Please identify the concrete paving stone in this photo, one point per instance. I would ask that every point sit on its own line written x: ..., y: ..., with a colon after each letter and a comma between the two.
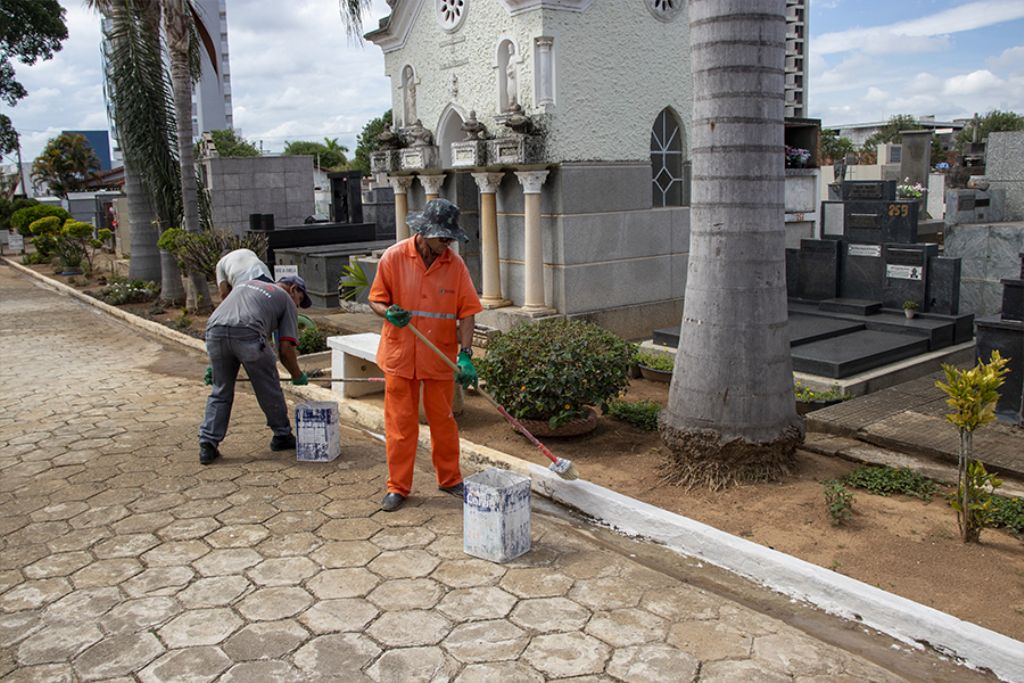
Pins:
x: 655, y: 663
x: 175, y: 553
x: 45, y: 673
x: 567, y: 654
x: 58, y: 564
x: 732, y: 670
x: 348, y: 507
x: 412, y: 665
x: 37, y: 532
x: 403, y: 564
x: 625, y: 627
x: 680, y: 602
x: 217, y: 591
x: 795, y: 653
x: 407, y: 594
x: 59, y: 511
x: 467, y: 573
x: 159, y: 502
x: 34, y: 594
x: 300, y: 501
x: 587, y: 564
x: 476, y: 604
x: 169, y: 483
x: 606, y: 593
x: 448, y: 548
x: 747, y: 620
x: 18, y: 626
x: 127, y: 545
x: 274, y: 479
x: 271, y: 604
x: 118, y: 656
x: 10, y: 524
x: 499, y: 671
x: 542, y: 554
x: 295, y: 521
x: 298, y: 544
x: 114, y: 497
x: 265, y: 640
x: 188, y: 529
x: 399, y: 538
x: 9, y: 579
x: 284, y: 571
x: 194, y: 665
x: 139, y: 614
x: 261, y: 672
x: 145, y: 523
x: 340, y: 554
x: 406, y: 516
x: 82, y: 606
x: 212, y: 489
x: 335, y: 616
x: 52, y: 644
x: 411, y: 628
x: 237, y: 536
x: 536, y: 583
x: 340, y: 652
x: 547, y: 615
x: 227, y: 561
x: 856, y: 669
x: 305, y: 484
x: 158, y: 581
x: 199, y: 627
x: 107, y: 572
x: 342, y: 583
x: 486, y: 641
x: 710, y: 640
x: 220, y: 473
x: 208, y: 507
x: 356, y: 529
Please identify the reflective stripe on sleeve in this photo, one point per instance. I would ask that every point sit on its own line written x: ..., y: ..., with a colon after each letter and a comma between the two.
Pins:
x: 428, y: 314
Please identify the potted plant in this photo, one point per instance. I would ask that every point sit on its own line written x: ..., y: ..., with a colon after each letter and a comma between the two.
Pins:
x: 797, y: 157
x: 909, y: 308
x: 655, y: 367
x: 808, y: 399
x: 549, y: 374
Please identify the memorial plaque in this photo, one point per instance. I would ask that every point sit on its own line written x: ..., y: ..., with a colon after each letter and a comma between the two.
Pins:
x: 384, y: 161
x: 881, y: 190
x: 832, y: 220
x: 469, y: 153
x: 860, y: 272
x: 905, y: 276
x: 943, y: 285
x: 516, y: 149
x: 417, y: 158
x: 818, y: 262
x: 880, y: 222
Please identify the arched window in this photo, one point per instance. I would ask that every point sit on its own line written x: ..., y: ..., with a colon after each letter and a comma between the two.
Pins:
x: 670, y: 180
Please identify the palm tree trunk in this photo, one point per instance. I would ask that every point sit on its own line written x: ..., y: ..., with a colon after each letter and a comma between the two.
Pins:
x: 731, y: 414
x: 172, y: 292
x: 144, y: 263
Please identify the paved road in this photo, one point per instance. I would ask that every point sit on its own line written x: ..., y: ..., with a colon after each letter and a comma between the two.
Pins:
x: 123, y: 559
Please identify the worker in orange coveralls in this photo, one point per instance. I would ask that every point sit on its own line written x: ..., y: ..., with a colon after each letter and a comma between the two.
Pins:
x: 420, y: 279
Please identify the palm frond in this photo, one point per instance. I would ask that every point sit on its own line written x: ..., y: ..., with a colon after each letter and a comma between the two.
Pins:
x: 352, y: 16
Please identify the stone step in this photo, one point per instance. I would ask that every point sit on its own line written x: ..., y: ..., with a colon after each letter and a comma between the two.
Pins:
x: 856, y: 352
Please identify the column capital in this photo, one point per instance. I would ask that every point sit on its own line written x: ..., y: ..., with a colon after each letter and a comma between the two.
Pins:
x: 532, y: 180
x: 488, y: 182
x: 432, y: 183
x: 544, y: 42
x: 400, y: 183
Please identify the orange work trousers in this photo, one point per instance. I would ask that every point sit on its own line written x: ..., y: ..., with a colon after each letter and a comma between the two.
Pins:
x: 402, y: 427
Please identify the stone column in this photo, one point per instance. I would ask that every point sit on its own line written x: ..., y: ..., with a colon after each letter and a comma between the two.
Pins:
x: 432, y: 185
x: 534, y: 249
x: 401, y: 184
x: 545, y: 71
x: 488, y: 184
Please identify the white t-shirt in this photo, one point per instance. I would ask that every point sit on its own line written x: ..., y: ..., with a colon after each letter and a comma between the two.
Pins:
x: 241, y: 265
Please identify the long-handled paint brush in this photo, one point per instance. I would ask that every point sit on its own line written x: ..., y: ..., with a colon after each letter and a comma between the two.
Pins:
x: 560, y: 466
x: 325, y: 379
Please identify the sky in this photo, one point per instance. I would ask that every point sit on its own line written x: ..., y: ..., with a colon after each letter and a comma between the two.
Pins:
x: 295, y: 75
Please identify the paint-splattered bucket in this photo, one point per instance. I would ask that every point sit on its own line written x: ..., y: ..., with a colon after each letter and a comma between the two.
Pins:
x: 496, y: 515
x: 318, y: 434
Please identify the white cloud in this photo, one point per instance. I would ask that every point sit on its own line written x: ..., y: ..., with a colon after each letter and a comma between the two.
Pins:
x: 974, y: 83
x: 923, y: 83
x: 875, y: 95
x: 1011, y: 59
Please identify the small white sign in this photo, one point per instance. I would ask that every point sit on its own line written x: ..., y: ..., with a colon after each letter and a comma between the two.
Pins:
x: 903, y: 272
x: 15, y: 242
x: 864, y: 250
x: 281, y: 271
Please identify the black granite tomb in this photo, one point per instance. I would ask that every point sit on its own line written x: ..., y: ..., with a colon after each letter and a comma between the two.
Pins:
x: 861, y: 271
x: 855, y: 352
x: 346, y: 196
x: 942, y: 285
x: 878, y: 222
x: 905, y: 277
x: 315, y: 235
x: 818, y: 262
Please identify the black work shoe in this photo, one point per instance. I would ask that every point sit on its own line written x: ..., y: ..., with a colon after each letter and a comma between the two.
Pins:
x: 454, y: 490
x: 207, y: 453
x: 284, y: 442
x: 392, y: 501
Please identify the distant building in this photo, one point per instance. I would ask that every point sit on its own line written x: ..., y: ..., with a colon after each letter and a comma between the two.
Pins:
x: 797, y: 32
x: 859, y: 132
x: 99, y: 140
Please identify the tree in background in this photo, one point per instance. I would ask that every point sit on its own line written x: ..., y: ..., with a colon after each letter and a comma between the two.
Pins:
x: 890, y: 132
x: 231, y: 144
x: 329, y: 155
x: 29, y: 30
x: 993, y: 122
x: 366, y: 142
x: 65, y: 164
x: 833, y: 147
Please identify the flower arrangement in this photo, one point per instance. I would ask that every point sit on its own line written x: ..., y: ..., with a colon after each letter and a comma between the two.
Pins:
x: 907, y: 191
x: 797, y: 157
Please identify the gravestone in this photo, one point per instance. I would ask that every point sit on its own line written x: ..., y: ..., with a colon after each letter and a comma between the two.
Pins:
x: 943, y: 285
x: 879, y: 222
x: 916, y: 158
x: 878, y: 190
x: 346, y: 196
x: 861, y: 271
x: 817, y: 264
x: 905, y: 277
x: 1005, y: 333
x: 832, y: 219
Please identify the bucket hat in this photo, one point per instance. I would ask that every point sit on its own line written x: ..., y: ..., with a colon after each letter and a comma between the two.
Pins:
x: 439, y: 218
x: 301, y: 284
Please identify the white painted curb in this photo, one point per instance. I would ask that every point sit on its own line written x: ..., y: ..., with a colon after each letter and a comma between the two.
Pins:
x: 907, y: 621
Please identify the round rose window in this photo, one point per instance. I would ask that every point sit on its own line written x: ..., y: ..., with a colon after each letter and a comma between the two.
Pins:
x: 450, y: 13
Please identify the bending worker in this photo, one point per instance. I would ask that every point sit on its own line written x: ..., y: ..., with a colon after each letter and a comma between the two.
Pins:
x: 419, y: 279
x: 238, y: 266
x: 236, y: 335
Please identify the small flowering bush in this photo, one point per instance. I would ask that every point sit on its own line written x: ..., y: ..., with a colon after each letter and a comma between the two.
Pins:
x: 121, y: 291
x: 797, y: 156
x: 553, y: 370
x: 907, y: 191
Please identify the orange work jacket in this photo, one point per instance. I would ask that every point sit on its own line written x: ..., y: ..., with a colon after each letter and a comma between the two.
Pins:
x: 438, y: 298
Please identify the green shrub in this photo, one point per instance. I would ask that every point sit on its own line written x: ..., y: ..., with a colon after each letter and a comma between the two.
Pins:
x: 554, y: 369
x: 1008, y: 513
x: 198, y: 252
x: 805, y: 394
x: 353, y: 281
x: 121, y: 291
x: 312, y: 340
x: 884, y: 481
x: 642, y: 414
x: 838, y: 500
x: 22, y: 218
x: 980, y: 486
x: 655, y: 361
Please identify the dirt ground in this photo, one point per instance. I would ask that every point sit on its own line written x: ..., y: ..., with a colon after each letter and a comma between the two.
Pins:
x: 900, y: 544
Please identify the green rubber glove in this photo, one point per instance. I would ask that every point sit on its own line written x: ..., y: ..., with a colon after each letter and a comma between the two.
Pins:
x: 208, y: 377
x: 398, y: 316
x: 301, y: 381
x: 466, y: 376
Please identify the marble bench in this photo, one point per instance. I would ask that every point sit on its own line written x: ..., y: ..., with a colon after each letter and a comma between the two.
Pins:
x: 354, y: 356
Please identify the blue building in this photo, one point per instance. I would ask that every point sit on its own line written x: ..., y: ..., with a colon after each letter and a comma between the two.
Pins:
x: 99, y: 140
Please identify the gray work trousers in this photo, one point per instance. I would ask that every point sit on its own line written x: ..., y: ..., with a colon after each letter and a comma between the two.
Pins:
x: 229, y: 348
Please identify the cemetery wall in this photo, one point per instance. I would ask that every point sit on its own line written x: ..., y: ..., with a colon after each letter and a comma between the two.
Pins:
x: 989, y: 253
x: 240, y: 186
x: 1004, y: 169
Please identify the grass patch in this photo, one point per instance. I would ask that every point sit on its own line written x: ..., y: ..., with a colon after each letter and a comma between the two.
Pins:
x: 655, y: 361
x: 885, y: 481
x: 1008, y: 513
x: 641, y: 414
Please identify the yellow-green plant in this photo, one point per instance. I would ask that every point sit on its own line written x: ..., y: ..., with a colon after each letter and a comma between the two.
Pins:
x: 972, y: 397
